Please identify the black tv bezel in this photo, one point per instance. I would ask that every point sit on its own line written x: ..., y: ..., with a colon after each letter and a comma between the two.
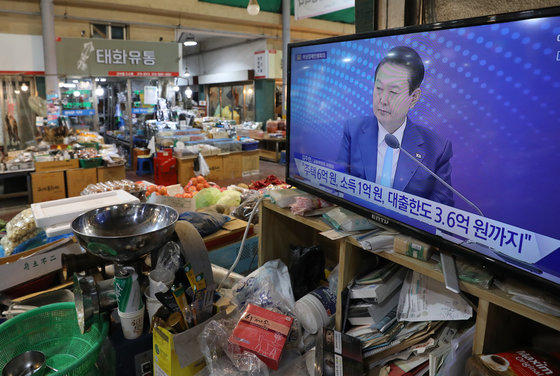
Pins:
x: 495, y: 266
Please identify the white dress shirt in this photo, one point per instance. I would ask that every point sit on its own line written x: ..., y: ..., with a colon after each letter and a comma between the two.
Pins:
x: 382, y: 149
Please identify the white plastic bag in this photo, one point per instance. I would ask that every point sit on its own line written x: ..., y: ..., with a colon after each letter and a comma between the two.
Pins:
x: 203, y: 168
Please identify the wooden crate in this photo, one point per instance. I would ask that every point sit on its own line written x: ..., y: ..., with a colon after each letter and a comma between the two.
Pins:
x: 185, y: 168
x: 232, y: 166
x: 79, y: 178
x: 56, y: 165
x: 110, y: 173
x: 215, y: 164
x: 47, y: 186
x: 250, y: 163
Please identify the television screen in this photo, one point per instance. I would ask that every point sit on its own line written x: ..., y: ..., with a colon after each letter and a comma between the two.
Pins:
x: 451, y: 130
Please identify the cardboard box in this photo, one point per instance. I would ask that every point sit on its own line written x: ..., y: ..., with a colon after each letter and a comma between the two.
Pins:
x: 250, y: 163
x: 48, y: 186
x: 179, y: 354
x: 411, y: 247
x: 232, y: 166
x: 178, y: 203
x: 263, y: 333
x: 56, y: 165
x: 34, y: 263
x: 216, y: 168
x: 79, y: 178
x: 110, y: 173
x: 185, y: 168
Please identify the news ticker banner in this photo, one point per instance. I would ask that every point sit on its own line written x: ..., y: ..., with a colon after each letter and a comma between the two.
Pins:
x: 512, y: 241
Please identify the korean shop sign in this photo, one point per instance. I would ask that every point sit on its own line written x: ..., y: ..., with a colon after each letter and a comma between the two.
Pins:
x: 125, y: 58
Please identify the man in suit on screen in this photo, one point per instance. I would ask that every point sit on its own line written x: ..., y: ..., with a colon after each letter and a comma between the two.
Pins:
x: 364, y: 152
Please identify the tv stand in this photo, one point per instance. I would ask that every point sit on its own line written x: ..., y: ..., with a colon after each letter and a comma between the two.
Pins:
x: 501, y: 323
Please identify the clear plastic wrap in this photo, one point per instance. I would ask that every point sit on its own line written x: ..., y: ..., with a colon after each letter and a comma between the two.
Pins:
x: 20, y: 226
x: 169, y: 257
x: 124, y: 184
x: 9, y: 245
x: 223, y: 358
x: 303, y: 205
x: 248, y: 202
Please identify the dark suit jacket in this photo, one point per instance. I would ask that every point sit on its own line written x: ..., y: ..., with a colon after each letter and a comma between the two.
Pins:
x: 358, y: 154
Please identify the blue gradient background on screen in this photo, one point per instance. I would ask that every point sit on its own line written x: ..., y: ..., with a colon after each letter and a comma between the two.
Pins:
x: 492, y: 90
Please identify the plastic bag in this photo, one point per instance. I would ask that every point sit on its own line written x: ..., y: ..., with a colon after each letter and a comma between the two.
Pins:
x: 269, y: 287
x: 207, y: 197
x: 304, y: 205
x: 169, y: 257
x: 206, y: 223
x: 223, y: 358
x: 286, y: 197
x: 307, y: 269
x: 200, y: 166
x: 20, y: 226
x: 343, y: 219
x: 243, y: 211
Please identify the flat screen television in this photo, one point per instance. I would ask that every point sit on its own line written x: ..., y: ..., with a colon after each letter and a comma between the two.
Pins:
x: 474, y: 168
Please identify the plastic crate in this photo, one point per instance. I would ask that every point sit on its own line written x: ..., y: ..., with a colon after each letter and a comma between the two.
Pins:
x: 248, y: 262
x: 91, y: 162
x: 246, y: 146
x: 90, y: 145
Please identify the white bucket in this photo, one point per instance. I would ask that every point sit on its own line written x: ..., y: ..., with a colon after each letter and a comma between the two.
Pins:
x: 132, y: 323
x: 316, y: 309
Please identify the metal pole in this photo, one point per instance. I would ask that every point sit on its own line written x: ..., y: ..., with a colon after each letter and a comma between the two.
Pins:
x: 94, y: 104
x: 285, y: 41
x: 49, y: 50
x: 129, y: 115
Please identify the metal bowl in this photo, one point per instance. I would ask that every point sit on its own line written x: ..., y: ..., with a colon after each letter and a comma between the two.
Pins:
x: 27, y: 363
x: 124, y: 233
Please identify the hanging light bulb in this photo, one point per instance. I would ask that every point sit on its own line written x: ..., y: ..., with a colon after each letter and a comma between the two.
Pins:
x: 253, y: 7
x: 187, y: 73
x: 24, y: 87
x: 99, y: 91
x: 175, y: 88
x: 188, y: 92
x: 76, y: 93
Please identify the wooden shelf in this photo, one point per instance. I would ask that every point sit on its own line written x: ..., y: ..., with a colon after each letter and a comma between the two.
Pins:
x: 501, y: 322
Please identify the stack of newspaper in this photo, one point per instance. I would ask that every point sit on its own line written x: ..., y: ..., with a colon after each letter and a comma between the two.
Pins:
x: 413, y: 335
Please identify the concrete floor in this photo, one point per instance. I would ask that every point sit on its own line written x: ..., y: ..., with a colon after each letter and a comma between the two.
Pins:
x: 10, y: 207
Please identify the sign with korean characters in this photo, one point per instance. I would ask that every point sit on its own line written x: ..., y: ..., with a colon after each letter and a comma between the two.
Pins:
x: 268, y: 64
x: 120, y: 58
x: 313, y: 8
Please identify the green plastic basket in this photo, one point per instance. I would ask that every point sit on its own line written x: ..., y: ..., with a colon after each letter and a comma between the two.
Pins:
x: 53, y: 329
x: 91, y: 162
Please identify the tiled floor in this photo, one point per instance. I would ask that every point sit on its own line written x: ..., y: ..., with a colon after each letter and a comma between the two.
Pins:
x: 10, y: 207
